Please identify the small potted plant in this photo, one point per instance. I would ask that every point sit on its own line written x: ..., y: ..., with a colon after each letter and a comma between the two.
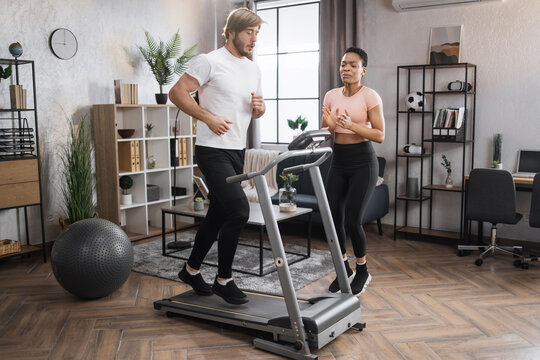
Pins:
x: 287, y: 194
x: 497, y: 150
x: 165, y: 60
x: 198, y: 204
x: 148, y: 127
x: 448, y: 166
x: 5, y: 73
x: 126, y: 182
x: 298, y: 125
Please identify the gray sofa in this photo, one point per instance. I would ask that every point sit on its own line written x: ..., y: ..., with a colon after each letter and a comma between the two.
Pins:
x: 305, y: 197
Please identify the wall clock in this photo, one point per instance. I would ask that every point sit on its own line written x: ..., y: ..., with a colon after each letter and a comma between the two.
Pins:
x: 63, y: 43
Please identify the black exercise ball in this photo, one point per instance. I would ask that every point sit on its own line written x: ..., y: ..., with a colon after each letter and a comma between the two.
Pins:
x: 92, y: 258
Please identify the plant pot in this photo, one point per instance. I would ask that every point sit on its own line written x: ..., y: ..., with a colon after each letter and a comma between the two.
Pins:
x: 126, y: 199
x: 498, y: 166
x: 287, y: 199
x: 198, y: 205
x: 162, y: 98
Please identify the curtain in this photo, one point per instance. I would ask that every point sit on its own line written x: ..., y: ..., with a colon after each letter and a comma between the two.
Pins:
x: 341, y: 26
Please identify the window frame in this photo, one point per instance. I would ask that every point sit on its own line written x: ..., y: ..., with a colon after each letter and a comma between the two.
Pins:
x: 277, y: 5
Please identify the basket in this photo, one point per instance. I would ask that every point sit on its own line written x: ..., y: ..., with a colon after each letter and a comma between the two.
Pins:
x: 9, y: 247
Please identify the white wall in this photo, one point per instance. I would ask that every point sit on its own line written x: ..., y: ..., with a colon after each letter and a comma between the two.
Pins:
x: 107, y: 33
x: 501, y: 38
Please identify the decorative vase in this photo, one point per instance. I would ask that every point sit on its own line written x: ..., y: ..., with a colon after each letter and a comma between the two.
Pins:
x: 148, y: 133
x: 126, y: 199
x: 448, y: 182
x: 499, y: 166
x: 287, y: 199
x: 162, y: 98
x: 151, y: 162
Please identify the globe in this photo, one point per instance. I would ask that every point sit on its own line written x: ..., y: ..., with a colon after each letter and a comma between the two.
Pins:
x: 16, y: 49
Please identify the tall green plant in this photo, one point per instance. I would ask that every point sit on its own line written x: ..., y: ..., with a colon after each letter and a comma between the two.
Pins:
x: 497, y: 149
x: 164, y: 59
x: 78, y: 179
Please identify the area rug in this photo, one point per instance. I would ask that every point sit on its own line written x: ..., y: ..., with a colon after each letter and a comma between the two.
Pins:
x: 148, y: 260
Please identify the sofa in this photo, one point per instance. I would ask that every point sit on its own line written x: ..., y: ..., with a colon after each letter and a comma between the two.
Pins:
x: 305, y: 197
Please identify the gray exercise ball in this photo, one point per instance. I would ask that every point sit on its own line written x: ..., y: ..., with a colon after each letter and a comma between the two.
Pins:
x: 92, y: 258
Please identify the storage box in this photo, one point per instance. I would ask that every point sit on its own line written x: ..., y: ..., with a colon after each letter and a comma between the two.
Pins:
x: 178, y: 191
x: 152, y: 193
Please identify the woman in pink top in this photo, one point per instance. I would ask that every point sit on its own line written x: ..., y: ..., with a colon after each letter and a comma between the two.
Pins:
x: 354, y: 114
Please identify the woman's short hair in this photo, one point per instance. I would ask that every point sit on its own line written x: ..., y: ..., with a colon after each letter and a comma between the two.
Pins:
x: 359, y: 52
x: 241, y: 19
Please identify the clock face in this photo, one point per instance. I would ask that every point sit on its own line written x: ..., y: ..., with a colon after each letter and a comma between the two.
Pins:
x: 63, y: 43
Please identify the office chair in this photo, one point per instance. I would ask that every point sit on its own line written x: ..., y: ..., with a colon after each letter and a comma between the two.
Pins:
x: 491, y: 197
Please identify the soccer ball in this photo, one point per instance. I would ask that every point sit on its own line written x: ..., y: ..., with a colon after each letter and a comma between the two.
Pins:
x: 415, y: 101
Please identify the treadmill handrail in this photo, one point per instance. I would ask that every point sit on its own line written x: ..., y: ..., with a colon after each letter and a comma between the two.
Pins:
x: 326, y: 151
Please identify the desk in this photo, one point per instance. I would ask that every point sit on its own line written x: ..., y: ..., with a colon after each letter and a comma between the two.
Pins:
x: 522, y: 184
x: 255, y: 218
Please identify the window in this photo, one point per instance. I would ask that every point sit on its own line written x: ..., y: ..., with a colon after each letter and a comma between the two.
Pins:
x: 288, y: 56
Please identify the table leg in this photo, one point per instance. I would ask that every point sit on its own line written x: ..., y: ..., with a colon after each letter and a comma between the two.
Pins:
x: 163, y: 247
x: 261, y: 233
x: 309, y: 236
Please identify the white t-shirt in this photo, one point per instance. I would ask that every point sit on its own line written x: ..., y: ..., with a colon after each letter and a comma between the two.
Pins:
x: 226, y: 83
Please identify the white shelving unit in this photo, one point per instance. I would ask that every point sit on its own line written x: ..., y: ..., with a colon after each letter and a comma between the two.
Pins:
x: 142, y: 218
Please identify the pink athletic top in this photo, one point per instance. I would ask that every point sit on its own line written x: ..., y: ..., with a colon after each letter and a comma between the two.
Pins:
x: 357, y: 105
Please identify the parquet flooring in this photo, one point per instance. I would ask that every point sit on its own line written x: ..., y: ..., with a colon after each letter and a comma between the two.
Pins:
x: 424, y: 303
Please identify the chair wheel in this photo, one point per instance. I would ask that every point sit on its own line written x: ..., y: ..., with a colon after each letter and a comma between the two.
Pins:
x: 479, y: 262
x: 524, y: 266
x: 517, y: 263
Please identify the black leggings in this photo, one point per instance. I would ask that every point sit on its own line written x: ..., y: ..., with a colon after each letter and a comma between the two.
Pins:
x: 228, y: 212
x: 350, y: 184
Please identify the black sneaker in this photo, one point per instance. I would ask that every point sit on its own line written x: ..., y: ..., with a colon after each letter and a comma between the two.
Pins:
x: 230, y: 292
x: 334, y: 286
x: 197, y: 282
x: 361, y: 280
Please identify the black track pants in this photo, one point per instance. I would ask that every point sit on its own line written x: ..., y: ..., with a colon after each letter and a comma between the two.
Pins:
x: 228, y: 212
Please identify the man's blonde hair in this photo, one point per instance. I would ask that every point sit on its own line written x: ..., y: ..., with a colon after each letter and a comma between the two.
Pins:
x: 241, y: 19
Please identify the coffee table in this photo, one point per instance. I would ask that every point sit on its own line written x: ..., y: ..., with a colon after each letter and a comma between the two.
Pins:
x: 255, y: 218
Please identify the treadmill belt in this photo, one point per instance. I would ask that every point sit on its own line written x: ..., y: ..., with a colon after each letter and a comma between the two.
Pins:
x: 260, y: 306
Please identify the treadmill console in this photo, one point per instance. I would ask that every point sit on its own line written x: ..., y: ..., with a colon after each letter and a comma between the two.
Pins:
x: 309, y: 139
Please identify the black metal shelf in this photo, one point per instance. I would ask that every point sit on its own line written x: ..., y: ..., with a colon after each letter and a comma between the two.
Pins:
x: 424, y: 78
x: 20, y: 116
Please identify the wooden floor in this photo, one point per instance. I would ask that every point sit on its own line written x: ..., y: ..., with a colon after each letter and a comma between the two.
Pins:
x: 424, y: 303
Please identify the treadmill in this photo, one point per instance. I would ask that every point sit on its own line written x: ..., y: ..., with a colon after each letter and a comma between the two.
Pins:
x: 296, y: 324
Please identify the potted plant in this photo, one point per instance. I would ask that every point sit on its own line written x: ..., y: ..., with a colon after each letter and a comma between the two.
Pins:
x: 165, y: 60
x: 148, y: 127
x: 287, y: 194
x: 5, y: 73
x: 198, y: 204
x: 77, y: 177
x: 298, y: 125
x: 126, y: 182
x: 448, y: 166
x: 497, y: 150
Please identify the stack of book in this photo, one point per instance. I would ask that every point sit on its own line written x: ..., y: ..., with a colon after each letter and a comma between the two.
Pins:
x: 126, y: 93
x: 448, y: 124
x: 179, y: 152
x: 17, y: 95
x: 129, y: 156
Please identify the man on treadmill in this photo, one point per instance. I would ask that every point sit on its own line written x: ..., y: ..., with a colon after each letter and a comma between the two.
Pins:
x: 229, y: 86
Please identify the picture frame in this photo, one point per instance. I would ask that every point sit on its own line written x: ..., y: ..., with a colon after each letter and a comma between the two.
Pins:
x: 201, y: 185
x: 445, y: 45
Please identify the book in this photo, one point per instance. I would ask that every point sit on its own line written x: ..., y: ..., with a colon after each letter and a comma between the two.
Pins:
x: 118, y: 91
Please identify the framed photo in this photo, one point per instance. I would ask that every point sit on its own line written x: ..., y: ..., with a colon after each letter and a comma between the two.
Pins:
x: 201, y: 185
x: 444, y: 45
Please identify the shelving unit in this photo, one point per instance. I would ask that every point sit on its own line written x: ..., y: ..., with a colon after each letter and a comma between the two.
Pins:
x: 142, y: 218
x: 20, y: 168
x: 431, y: 81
